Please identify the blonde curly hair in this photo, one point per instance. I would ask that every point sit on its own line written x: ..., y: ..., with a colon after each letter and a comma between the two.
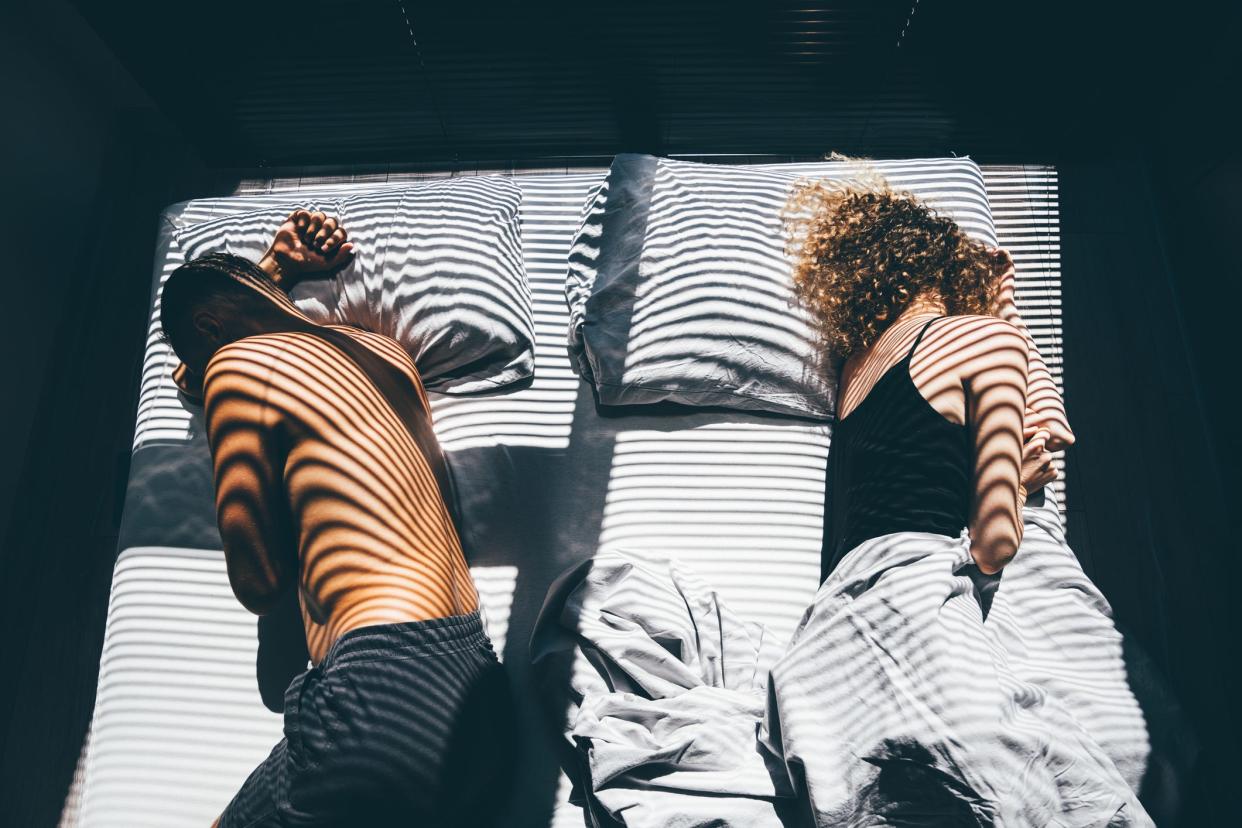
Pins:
x: 863, y: 251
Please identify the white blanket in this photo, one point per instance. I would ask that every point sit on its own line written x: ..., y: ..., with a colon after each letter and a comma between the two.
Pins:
x: 666, y: 695
x: 896, y: 703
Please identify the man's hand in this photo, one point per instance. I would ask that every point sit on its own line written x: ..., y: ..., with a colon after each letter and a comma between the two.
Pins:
x: 306, y: 244
x: 1037, y: 468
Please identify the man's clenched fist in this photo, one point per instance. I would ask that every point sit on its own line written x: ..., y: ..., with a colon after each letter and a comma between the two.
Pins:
x: 307, y: 243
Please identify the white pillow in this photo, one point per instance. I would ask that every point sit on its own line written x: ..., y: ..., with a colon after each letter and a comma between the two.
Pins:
x: 680, y: 288
x: 438, y: 268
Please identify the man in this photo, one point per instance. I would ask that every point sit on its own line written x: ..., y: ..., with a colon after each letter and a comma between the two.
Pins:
x: 330, y: 482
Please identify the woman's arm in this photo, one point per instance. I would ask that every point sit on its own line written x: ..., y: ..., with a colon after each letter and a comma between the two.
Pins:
x: 995, y: 381
x: 1043, y: 399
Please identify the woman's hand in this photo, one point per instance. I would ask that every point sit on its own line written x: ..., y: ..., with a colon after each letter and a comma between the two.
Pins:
x: 1051, y: 419
x: 307, y: 243
x: 1037, y: 468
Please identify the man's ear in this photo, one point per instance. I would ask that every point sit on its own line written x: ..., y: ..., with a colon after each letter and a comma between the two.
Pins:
x: 208, y: 326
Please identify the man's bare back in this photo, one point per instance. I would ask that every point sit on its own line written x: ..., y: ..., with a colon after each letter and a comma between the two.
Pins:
x: 330, y: 481
x: 318, y: 479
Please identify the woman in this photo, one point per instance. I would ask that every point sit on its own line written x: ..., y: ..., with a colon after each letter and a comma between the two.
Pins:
x: 897, y: 699
x: 924, y: 317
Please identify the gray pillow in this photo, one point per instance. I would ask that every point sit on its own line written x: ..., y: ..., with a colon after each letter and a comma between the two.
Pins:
x: 439, y: 269
x: 680, y: 289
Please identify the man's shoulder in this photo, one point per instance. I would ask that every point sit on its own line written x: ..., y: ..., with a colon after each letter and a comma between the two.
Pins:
x: 259, y: 354
x: 383, y: 346
x: 286, y: 361
x: 382, y: 343
x: 245, y: 368
x: 253, y: 356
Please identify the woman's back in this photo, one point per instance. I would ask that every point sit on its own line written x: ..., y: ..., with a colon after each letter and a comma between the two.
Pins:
x: 897, y: 463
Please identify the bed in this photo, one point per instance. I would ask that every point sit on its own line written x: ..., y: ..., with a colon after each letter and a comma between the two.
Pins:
x: 546, y: 480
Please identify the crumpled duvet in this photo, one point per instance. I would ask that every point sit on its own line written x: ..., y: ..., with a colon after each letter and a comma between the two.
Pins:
x: 897, y: 703
x: 666, y: 692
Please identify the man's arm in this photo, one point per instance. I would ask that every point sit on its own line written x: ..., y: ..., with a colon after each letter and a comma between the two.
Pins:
x: 306, y: 244
x: 252, y: 508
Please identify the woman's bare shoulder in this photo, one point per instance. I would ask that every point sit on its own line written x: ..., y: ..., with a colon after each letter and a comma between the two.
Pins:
x: 981, y: 342
x: 975, y: 329
x: 979, y: 322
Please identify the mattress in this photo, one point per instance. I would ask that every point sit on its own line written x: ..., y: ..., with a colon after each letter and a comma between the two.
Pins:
x: 545, y: 481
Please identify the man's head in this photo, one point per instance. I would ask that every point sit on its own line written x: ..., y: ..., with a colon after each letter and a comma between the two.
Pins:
x: 209, y: 303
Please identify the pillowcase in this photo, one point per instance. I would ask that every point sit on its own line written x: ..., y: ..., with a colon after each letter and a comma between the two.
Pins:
x: 680, y: 288
x: 438, y: 268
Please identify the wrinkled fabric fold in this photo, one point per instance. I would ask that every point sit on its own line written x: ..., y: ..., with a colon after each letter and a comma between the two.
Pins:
x: 896, y: 702
x: 666, y: 695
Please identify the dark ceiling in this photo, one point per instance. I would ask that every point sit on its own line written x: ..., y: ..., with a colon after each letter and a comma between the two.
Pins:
x: 335, y: 82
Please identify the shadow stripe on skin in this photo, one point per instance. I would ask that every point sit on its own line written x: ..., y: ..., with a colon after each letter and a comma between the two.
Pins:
x: 354, y: 431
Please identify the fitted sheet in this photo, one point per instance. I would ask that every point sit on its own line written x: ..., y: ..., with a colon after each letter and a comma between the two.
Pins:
x: 545, y: 482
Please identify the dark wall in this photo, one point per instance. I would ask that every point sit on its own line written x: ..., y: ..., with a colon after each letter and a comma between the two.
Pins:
x: 1194, y: 159
x: 1200, y: 205
x: 62, y: 102
x: 88, y: 162
x: 1147, y: 511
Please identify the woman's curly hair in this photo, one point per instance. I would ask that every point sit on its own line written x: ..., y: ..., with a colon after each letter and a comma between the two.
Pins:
x: 862, y: 252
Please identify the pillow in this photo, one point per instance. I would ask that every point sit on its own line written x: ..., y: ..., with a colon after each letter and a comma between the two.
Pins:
x: 438, y: 268
x: 680, y: 288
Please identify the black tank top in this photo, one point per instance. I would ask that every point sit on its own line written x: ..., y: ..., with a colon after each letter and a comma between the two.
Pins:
x: 895, y: 464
